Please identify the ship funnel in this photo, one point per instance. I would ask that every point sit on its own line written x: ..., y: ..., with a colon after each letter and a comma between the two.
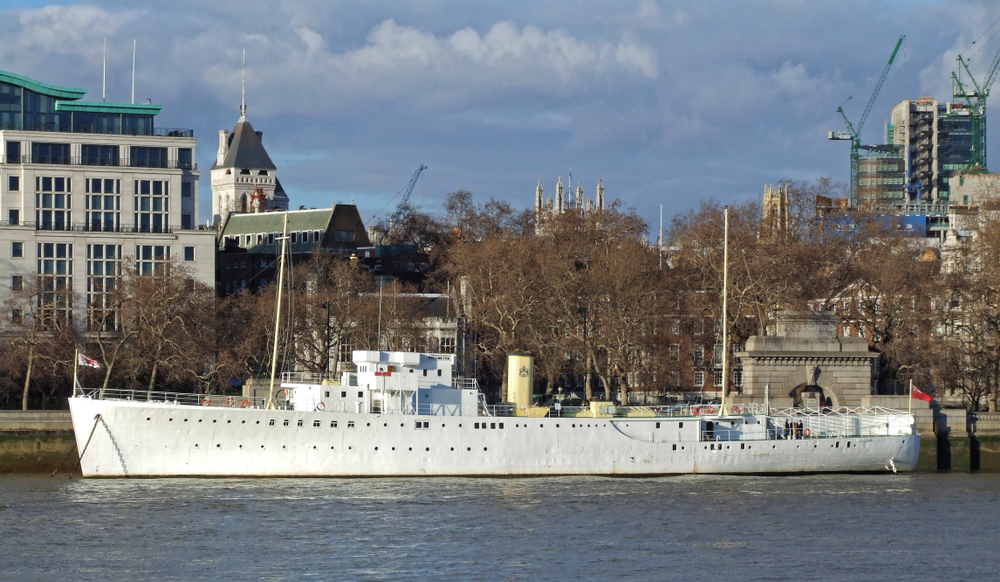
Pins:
x: 520, y: 379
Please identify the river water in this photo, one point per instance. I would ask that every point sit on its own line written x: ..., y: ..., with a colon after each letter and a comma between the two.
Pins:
x: 840, y: 527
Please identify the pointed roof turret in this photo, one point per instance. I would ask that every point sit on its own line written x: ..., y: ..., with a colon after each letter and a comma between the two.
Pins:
x: 245, y: 149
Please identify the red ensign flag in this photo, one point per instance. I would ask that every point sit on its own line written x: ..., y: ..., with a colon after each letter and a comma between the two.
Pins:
x: 916, y: 393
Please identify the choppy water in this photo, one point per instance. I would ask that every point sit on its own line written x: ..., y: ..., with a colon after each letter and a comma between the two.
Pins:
x: 842, y: 527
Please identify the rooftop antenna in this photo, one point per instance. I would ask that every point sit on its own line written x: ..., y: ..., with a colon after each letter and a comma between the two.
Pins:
x: 243, y: 98
x: 104, y: 76
x: 133, y: 71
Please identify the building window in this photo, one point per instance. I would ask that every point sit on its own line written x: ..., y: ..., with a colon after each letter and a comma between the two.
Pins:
x: 13, y: 152
x: 55, y: 284
x: 447, y: 345
x: 187, y: 223
x: 187, y: 189
x: 717, y: 354
x: 188, y: 253
x: 16, y: 250
x: 150, y: 259
x: 13, y: 216
x: 699, y: 379
x: 717, y: 378
x: 185, y: 159
x: 738, y: 378
x: 295, y: 237
x: 343, y: 236
x: 316, y: 237
x: 674, y: 350
x: 49, y: 153
x: 675, y: 327
x: 103, y: 204
x: 14, y: 183
x: 152, y: 205
x: 52, y: 200
x: 675, y: 379
x: 99, y: 155
x: 102, y: 278
x: 16, y: 282
x: 146, y: 157
x: 699, y: 355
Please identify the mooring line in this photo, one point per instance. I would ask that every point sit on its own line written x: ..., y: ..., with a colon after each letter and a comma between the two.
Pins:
x: 97, y: 419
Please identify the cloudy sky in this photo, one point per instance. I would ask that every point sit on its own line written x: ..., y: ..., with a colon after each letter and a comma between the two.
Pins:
x: 667, y: 102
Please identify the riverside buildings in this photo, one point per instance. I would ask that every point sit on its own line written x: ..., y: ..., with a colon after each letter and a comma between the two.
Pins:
x: 88, y: 189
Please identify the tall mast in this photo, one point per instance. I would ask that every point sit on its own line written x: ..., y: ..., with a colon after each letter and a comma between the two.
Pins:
x: 725, y: 295
x: 277, y: 310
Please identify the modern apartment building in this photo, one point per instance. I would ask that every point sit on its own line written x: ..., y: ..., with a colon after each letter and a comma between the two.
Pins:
x: 88, y: 189
x: 936, y: 140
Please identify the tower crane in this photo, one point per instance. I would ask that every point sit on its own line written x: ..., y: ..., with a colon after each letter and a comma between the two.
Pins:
x: 975, y: 97
x: 853, y: 133
x: 404, y: 203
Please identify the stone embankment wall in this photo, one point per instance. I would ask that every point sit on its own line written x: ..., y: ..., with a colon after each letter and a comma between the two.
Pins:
x: 36, y: 441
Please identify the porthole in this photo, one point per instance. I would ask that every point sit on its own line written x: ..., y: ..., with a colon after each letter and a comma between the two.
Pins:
x: 376, y: 448
x: 243, y: 422
x: 385, y: 424
x: 314, y: 447
x: 453, y: 448
x: 557, y: 425
x: 214, y: 421
x: 427, y: 449
x: 170, y: 419
x: 484, y: 448
x: 284, y: 447
x: 394, y: 448
x: 468, y: 448
x: 218, y: 446
x: 411, y: 448
x: 258, y: 422
x: 229, y: 422
x: 196, y: 445
x: 199, y: 420
x: 368, y: 424
x: 262, y: 446
x: 241, y: 446
x: 573, y: 425
x: 147, y: 418
x: 185, y: 420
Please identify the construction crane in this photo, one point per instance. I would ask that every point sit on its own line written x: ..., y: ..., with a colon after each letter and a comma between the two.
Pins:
x: 975, y: 97
x: 404, y: 204
x: 853, y: 133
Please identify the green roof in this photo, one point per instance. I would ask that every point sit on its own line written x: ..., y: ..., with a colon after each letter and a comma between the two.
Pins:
x: 298, y: 220
x: 126, y: 108
x: 43, y: 88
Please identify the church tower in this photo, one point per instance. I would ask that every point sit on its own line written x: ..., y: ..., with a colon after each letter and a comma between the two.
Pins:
x: 775, y: 220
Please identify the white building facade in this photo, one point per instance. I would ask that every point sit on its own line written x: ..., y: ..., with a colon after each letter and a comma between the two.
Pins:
x: 88, y: 189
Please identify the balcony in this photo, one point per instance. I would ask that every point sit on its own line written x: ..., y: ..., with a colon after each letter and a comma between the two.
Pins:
x: 119, y: 163
x: 86, y: 227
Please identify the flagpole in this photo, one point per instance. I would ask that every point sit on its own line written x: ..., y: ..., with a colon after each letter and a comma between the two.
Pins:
x: 909, y: 401
x: 76, y: 365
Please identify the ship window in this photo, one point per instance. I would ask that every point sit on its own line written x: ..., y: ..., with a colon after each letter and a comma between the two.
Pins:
x: 675, y: 447
x: 361, y: 394
x: 501, y: 425
x: 743, y: 445
x: 343, y: 393
x: 680, y: 425
x: 493, y: 425
x: 425, y: 373
x: 269, y: 423
x: 350, y: 424
x: 333, y: 424
x: 285, y: 423
x: 439, y: 373
x: 477, y: 425
x: 657, y: 425
x: 326, y: 394
x: 838, y: 444
x: 316, y: 423
x: 299, y: 423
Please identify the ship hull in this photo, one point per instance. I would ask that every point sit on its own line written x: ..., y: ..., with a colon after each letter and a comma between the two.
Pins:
x: 140, y: 439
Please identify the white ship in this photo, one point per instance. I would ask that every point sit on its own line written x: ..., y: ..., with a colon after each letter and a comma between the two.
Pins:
x: 401, y: 414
